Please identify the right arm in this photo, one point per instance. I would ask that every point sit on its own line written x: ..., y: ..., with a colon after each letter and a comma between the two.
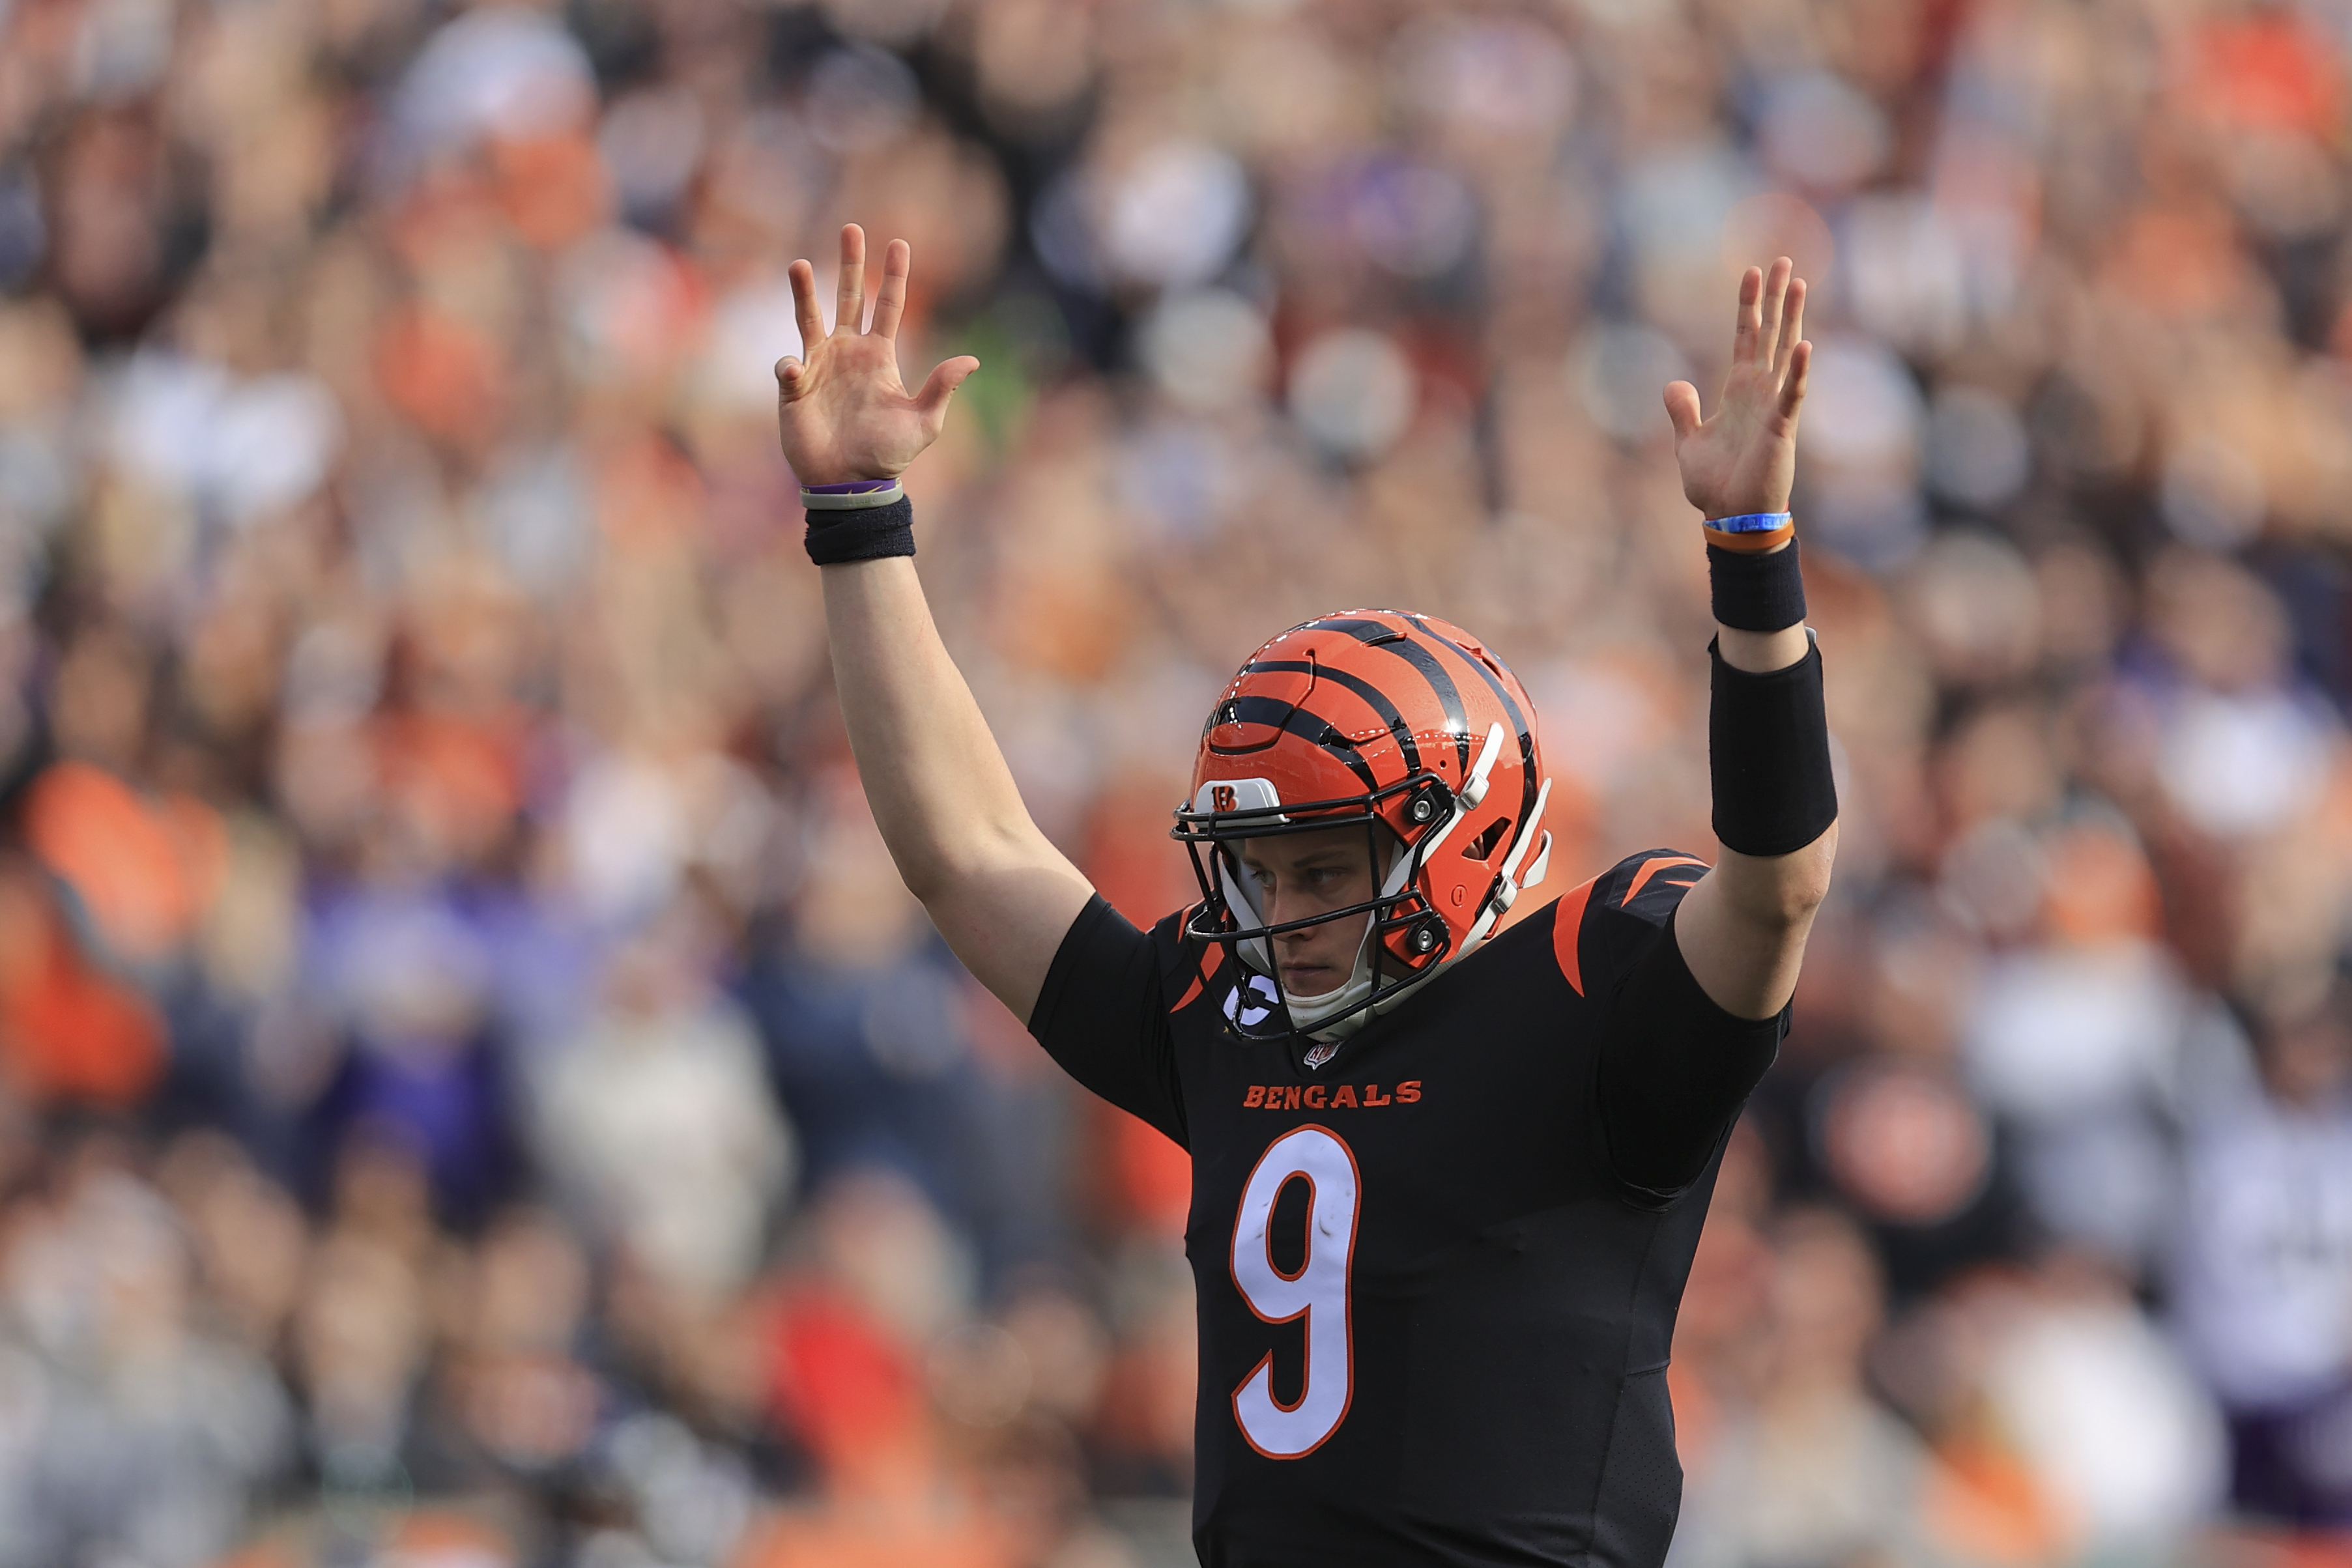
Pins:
x: 998, y: 890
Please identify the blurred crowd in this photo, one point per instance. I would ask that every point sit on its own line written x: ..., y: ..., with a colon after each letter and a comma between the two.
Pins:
x: 472, y: 1089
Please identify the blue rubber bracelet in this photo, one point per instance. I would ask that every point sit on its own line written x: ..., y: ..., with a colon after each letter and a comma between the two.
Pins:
x: 1750, y: 522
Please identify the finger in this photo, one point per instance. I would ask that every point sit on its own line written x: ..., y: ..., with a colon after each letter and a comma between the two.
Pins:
x: 897, y: 261
x: 1682, y: 407
x: 1767, y: 331
x: 791, y: 376
x: 849, y: 309
x: 806, y: 315
x: 1792, y: 327
x: 1743, y: 333
x: 1792, y: 392
x: 933, y: 399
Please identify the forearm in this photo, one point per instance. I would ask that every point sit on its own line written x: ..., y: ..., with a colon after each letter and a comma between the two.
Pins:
x: 937, y: 784
x: 1744, y: 927
x: 1774, y: 889
x: 1761, y: 653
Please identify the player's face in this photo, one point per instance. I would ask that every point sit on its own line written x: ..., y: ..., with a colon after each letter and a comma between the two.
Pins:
x: 1300, y: 876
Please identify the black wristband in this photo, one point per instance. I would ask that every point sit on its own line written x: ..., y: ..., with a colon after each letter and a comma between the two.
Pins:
x: 869, y: 533
x: 1768, y: 743
x: 1757, y: 593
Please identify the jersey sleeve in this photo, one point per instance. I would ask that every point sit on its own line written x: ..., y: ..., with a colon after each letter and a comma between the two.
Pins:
x: 1674, y: 1068
x: 1103, y: 1016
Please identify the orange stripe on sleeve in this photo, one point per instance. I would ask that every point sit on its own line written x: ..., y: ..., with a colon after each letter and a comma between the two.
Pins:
x: 1650, y: 868
x: 1210, y: 962
x: 1567, y: 923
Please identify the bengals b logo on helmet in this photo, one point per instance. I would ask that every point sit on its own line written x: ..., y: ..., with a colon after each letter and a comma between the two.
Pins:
x: 1221, y: 798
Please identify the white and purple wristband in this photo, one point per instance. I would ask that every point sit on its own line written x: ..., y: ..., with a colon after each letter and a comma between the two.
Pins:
x: 856, y: 496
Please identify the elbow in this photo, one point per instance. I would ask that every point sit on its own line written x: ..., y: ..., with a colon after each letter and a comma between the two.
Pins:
x: 1795, y: 903
x: 927, y: 865
x: 1783, y: 911
x: 1804, y: 884
x: 939, y: 869
x: 1785, y: 891
x: 928, y: 879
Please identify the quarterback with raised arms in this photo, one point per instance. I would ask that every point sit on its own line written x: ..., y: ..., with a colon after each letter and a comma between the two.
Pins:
x: 1448, y: 1177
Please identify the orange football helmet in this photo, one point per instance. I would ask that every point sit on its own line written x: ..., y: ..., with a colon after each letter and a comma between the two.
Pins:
x: 1390, y: 720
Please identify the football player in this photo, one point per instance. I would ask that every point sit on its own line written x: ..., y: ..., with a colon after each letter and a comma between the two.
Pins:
x: 1446, y: 1181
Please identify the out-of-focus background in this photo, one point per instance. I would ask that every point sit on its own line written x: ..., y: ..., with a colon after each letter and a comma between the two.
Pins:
x: 474, y: 1093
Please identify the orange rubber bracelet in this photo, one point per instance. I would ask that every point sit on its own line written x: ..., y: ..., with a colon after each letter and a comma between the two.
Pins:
x: 1751, y: 544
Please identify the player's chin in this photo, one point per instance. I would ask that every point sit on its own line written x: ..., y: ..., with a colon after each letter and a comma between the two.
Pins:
x: 1309, y: 979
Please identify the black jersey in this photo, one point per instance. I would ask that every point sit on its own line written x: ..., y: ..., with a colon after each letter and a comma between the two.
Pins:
x: 1438, y: 1276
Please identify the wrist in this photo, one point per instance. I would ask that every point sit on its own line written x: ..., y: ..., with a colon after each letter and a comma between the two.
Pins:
x: 867, y: 527
x: 817, y: 476
x: 1753, y: 588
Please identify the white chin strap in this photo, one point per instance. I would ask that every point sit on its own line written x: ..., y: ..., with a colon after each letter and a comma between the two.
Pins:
x: 1306, y: 1012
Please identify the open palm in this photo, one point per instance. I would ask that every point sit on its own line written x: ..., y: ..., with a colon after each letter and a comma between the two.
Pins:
x: 1744, y: 459
x: 841, y: 409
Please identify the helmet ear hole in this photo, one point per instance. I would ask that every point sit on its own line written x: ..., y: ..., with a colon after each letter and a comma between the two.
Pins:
x: 1482, y: 846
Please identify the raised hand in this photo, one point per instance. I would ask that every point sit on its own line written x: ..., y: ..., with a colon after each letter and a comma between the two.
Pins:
x: 1744, y: 459
x: 841, y: 409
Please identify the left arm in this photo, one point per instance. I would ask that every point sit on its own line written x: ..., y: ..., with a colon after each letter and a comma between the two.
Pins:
x: 1698, y: 1017
x: 1742, y: 928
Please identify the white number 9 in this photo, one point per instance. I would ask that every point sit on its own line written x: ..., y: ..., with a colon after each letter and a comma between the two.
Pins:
x: 1319, y: 1291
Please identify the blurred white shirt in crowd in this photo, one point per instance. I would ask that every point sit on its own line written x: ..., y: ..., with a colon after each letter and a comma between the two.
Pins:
x: 2264, y: 1271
